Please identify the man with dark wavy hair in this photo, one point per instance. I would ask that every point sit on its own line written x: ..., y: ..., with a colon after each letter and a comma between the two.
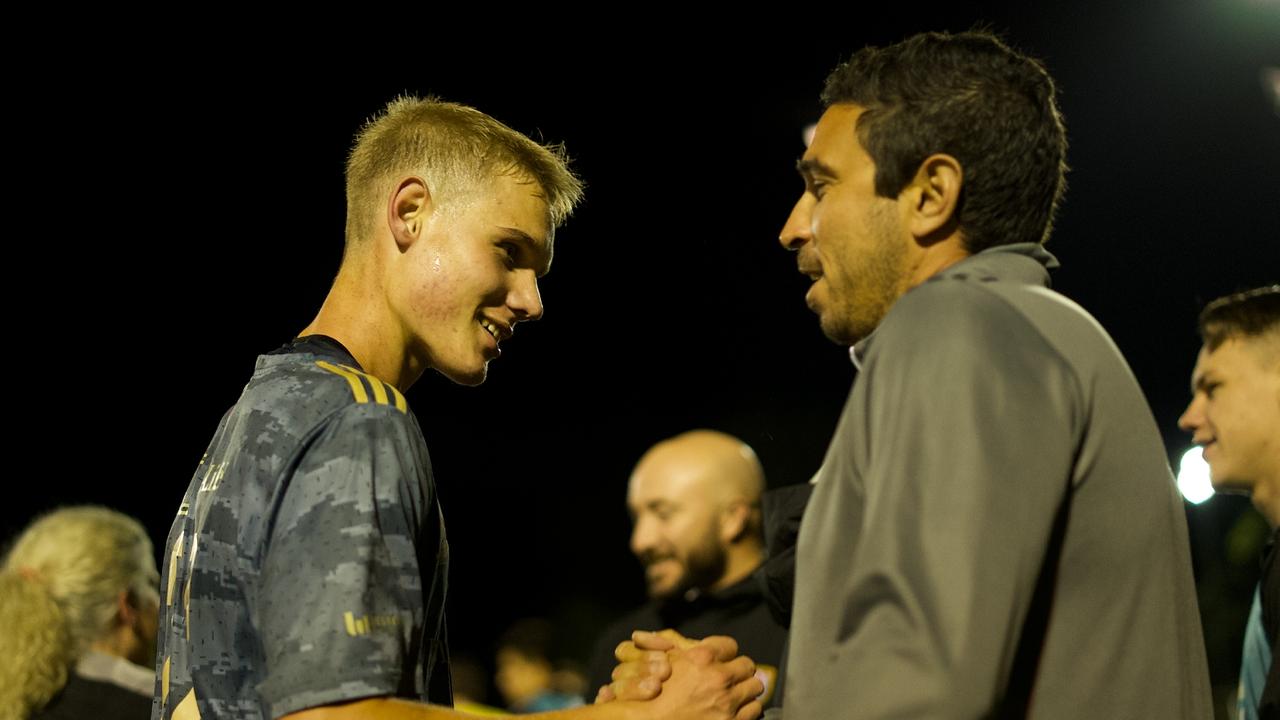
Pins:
x: 1234, y: 415
x: 994, y: 531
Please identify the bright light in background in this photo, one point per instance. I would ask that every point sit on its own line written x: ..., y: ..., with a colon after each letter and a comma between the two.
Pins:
x: 1271, y: 82
x: 1193, y: 477
x: 809, y: 130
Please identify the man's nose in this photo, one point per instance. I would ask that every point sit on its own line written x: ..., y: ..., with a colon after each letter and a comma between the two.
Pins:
x: 798, y: 230
x: 1192, y: 416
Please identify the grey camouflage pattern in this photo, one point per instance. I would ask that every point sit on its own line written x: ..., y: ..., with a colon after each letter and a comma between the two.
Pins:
x: 308, y: 562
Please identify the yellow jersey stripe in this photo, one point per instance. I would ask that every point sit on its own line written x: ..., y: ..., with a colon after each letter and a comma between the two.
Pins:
x: 187, y: 709
x: 383, y: 393
x: 401, y: 405
x: 380, y: 390
x: 357, y: 387
x: 173, y: 566
x: 186, y: 592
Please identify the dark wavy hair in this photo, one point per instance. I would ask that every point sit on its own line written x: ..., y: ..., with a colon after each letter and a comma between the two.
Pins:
x: 970, y: 96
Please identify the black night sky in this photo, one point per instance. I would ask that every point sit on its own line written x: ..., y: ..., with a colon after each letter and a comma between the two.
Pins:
x: 216, y: 227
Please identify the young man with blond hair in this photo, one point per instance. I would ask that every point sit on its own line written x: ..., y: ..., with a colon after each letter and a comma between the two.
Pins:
x: 307, y: 566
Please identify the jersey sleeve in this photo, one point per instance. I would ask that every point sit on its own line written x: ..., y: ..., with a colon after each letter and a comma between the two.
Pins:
x: 341, y: 587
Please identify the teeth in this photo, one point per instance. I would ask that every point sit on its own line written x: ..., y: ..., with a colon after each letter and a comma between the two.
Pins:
x: 490, y: 328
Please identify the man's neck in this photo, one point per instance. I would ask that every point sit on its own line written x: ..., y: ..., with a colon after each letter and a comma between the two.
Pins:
x: 1267, y: 500
x: 936, y: 258
x: 738, y: 566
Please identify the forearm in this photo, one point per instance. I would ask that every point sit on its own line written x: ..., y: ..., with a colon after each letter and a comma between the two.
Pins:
x: 379, y: 708
x: 383, y: 708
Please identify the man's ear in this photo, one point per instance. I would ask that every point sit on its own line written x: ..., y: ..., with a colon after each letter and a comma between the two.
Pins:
x: 733, y: 521
x: 408, y: 211
x: 932, y: 199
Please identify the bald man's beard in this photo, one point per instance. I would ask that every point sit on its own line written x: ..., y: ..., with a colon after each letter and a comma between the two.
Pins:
x: 704, y: 564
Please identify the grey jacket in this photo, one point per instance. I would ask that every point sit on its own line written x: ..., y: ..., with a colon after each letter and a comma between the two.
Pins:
x: 995, y: 531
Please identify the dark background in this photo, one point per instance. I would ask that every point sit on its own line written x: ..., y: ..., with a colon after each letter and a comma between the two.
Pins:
x: 197, y: 214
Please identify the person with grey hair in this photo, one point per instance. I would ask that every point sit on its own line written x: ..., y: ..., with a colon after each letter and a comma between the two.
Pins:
x: 78, y: 608
x: 1234, y: 415
x: 307, y: 567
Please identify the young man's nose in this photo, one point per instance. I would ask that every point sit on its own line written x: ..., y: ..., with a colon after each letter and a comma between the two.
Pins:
x: 525, y: 299
x: 1191, y: 417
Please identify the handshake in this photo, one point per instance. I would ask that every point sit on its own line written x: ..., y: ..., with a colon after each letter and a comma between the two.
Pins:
x: 670, y: 677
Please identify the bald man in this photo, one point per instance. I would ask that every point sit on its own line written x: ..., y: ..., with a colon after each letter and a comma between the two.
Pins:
x: 695, y: 503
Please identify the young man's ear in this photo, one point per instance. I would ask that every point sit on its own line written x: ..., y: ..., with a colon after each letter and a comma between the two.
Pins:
x: 932, y: 198
x: 408, y: 211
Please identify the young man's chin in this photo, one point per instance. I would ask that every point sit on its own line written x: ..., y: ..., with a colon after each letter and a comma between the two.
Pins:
x: 470, y: 377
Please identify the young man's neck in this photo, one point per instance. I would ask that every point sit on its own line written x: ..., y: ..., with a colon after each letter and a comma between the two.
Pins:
x: 355, y: 314
x: 1266, y: 498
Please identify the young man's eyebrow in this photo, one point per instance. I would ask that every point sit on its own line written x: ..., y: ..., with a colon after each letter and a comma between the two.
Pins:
x: 1200, y: 382
x: 537, y: 246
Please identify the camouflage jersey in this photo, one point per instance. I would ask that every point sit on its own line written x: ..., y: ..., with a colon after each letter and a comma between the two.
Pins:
x: 308, y: 562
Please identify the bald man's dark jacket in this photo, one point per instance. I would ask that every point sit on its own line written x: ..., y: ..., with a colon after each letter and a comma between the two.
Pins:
x: 739, y: 611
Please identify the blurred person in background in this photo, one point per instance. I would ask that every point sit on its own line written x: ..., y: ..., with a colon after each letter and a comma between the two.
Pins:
x: 1234, y: 415
x: 79, y: 603
x: 528, y: 676
x: 695, y: 503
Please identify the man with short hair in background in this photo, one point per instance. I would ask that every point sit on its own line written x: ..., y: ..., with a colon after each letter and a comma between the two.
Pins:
x: 1234, y: 415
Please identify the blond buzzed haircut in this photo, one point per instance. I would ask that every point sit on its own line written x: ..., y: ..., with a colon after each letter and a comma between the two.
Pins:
x: 457, y: 150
